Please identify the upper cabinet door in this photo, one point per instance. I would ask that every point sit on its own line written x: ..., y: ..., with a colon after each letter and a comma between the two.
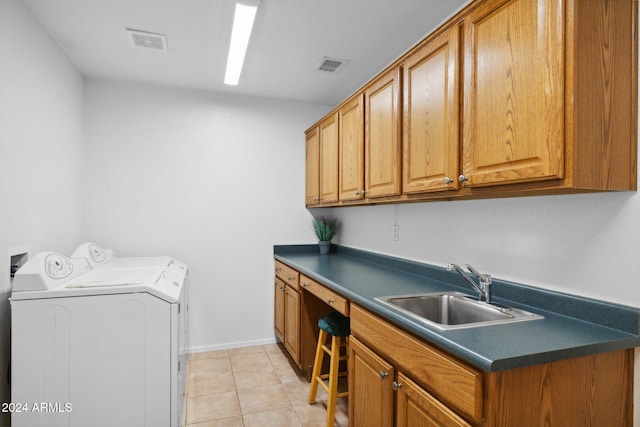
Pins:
x: 514, y: 92
x: 352, y: 150
x: 329, y: 159
x: 431, y: 116
x: 382, y: 136
x: 312, y: 192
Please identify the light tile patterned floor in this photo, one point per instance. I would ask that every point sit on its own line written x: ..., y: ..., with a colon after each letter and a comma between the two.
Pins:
x: 252, y: 386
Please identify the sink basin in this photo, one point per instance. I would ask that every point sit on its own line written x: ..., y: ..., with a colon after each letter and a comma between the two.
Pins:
x: 454, y: 310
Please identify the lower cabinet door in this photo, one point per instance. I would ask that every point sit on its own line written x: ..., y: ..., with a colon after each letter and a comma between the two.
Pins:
x: 371, y: 395
x: 292, y: 323
x: 278, y: 320
x: 417, y: 408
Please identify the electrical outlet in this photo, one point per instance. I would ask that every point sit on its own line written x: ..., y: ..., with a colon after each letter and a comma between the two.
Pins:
x: 396, y: 232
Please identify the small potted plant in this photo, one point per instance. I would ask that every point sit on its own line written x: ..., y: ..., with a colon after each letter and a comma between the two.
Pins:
x: 325, y: 228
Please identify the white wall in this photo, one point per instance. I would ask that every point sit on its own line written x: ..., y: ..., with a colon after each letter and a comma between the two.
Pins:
x: 585, y: 244
x: 214, y: 180
x: 41, y: 135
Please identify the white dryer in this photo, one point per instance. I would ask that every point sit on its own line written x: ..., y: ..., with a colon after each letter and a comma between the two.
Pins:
x: 97, y: 347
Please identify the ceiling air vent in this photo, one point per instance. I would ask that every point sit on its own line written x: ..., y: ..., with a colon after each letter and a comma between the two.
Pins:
x: 331, y: 65
x: 148, y: 40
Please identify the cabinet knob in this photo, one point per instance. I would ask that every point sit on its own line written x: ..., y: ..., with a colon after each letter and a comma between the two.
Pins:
x: 448, y: 180
x: 330, y: 301
x: 383, y: 375
x: 396, y: 385
x: 463, y: 178
x: 305, y: 284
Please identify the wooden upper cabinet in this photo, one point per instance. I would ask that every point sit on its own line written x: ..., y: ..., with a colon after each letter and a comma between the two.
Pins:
x: 506, y: 98
x: 431, y: 119
x: 514, y: 92
x: 312, y: 168
x: 382, y: 135
x: 352, y: 149
x: 329, y: 143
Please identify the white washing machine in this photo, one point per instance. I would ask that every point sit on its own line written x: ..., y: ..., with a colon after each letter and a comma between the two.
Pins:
x: 98, y: 347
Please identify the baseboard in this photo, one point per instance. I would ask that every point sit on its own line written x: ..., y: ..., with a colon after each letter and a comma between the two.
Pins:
x: 227, y: 346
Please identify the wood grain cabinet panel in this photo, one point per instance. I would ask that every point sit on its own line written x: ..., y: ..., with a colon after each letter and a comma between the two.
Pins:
x: 292, y: 323
x: 278, y: 321
x: 351, y: 160
x: 514, y: 93
x: 326, y: 295
x: 312, y: 167
x: 451, y: 381
x: 371, y: 396
x: 329, y: 144
x: 382, y: 136
x: 288, y: 275
x: 430, y: 116
x: 417, y: 408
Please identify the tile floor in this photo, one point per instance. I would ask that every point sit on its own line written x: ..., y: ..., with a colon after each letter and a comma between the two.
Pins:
x: 252, y: 386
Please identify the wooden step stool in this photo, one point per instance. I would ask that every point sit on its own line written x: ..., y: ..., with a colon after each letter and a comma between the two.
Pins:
x: 335, y: 325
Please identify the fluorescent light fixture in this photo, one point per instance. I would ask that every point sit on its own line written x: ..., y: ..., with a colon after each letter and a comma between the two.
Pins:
x: 242, y: 25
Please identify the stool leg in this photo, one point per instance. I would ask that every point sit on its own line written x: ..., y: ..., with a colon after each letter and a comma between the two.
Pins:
x: 333, y: 380
x: 317, y: 366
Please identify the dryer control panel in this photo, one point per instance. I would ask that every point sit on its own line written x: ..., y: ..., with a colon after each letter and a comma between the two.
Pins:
x: 48, y: 270
x: 95, y: 254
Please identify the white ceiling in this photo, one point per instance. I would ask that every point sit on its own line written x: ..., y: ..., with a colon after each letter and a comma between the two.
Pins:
x: 289, y: 39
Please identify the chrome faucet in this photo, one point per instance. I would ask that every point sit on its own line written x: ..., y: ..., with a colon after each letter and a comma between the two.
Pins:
x: 483, y: 287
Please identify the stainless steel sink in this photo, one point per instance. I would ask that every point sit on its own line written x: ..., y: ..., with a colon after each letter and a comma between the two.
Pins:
x: 454, y: 310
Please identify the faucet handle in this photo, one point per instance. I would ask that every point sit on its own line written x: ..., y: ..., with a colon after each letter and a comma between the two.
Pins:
x: 485, y: 279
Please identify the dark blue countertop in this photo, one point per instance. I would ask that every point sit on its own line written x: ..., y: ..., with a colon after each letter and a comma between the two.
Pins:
x: 573, y: 326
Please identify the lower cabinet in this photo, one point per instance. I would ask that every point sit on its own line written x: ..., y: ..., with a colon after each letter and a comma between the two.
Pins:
x: 292, y: 323
x: 287, y: 318
x: 278, y: 319
x: 377, y: 390
x: 286, y: 323
x: 396, y: 379
x: 415, y: 407
x: 371, y: 397
x: 299, y: 302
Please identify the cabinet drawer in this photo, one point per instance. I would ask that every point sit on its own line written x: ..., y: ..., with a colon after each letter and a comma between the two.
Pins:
x: 336, y: 301
x: 288, y: 275
x: 452, y: 382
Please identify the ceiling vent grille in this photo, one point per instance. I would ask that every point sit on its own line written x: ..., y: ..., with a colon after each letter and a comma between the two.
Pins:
x: 331, y: 65
x: 148, y: 40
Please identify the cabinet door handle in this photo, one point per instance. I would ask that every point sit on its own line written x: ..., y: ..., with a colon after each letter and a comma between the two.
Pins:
x: 330, y: 301
x: 463, y: 178
x: 448, y: 180
x: 291, y: 278
x: 383, y: 375
x: 305, y: 284
x: 396, y: 385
